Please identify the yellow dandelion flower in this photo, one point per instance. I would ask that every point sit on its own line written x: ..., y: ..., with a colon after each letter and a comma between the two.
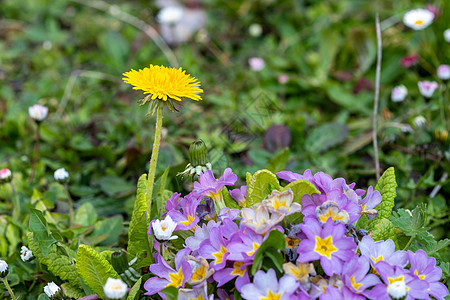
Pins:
x: 164, y: 83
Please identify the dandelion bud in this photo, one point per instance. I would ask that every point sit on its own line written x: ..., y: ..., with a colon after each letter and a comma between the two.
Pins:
x: 53, y: 291
x: 115, y: 289
x: 38, y: 112
x: 198, y: 154
x: 26, y: 254
x: 61, y: 175
x: 5, y: 176
x: 3, y: 268
x: 119, y: 261
x: 441, y: 134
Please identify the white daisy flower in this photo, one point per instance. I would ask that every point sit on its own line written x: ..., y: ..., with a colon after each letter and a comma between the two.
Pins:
x: 38, y: 112
x: 418, y: 19
x: 115, y: 288
x: 162, y: 230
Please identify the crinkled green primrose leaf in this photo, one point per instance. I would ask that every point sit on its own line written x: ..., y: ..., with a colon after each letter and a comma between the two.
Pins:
x: 387, y: 187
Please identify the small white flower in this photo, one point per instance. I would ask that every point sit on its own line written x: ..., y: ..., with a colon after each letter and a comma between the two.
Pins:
x: 255, y: 30
x: 26, y: 254
x: 447, y: 35
x: 3, y: 268
x: 61, y: 175
x: 419, y: 121
x: 51, y: 289
x: 418, y: 19
x: 170, y: 15
x: 427, y: 88
x: 115, y: 288
x: 256, y: 63
x: 443, y: 72
x: 397, y: 289
x: 162, y: 230
x: 399, y: 93
x: 38, y: 112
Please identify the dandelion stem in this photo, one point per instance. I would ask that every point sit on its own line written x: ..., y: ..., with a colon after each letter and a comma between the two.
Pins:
x: 377, y: 95
x: 5, y: 281
x: 69, y: 200
x: 16, y: 209
x: 36, y: 150
x: 154, y: 159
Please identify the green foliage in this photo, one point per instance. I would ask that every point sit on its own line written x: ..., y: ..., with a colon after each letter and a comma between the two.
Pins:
x: 413, y: 224
x: 42, y: 234
x: 171, y: 293
x: 86, y: 215
x: 278, y: 163
x: 94, y: 269
x: 59, y: 264
x: 269, y: 251
x: 229, y: 201
x: 138, y: 243
x: 383, y: 229
x: 387, y: 186
x: 262, y: 183
x: 72, y: 291
x: 300, y: 188
x: 135, y: 290
x: 326, y: 136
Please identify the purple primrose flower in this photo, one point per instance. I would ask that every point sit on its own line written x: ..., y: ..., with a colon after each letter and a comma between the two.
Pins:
x: 382, y: 251
x: 266, y: 286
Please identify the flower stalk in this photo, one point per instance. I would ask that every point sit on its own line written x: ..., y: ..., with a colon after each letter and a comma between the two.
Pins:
x: 69, y: 201
x: 16, y: 209
x: 154, y: 158
x: 11, y: 293
x: 36, y: 150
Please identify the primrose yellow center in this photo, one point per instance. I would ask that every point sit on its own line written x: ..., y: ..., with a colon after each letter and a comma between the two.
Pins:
x: 392, y: 280
x: 278, y: 203
x: 418, y: 22
x: 176, y: 279
x: 354, y: 283
x: 271, y: 296
x: 199, y: 273
x: 255, y: 247
x: 375, y: 260
x: 219, y: 255
x: 189, y: 221
x: 198, y: 298
x: 237, y: 269
x: 325, y: 246
x: 215, y: 196
x: 420, y: 276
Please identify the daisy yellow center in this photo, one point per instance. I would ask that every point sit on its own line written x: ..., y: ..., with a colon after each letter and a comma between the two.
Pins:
x: 164, y: 83
x: 271, y: 296
x: 325, y: 246
x: 219, y: 255
x: 188, y: 221
x: 116, y: 287
x: 176, y: 279
x: 418, y: 22
x: 420, y: 276
x: 237, y: 269
x: 354, y: 283
x: 199, y: 273
x: 255, y: 247
x: 375, y: 260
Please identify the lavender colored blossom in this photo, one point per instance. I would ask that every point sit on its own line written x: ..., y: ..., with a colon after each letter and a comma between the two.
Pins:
x: 355, y: 277
x: 240, y: 195
x: 259, y: 219
x: 369, y: 202
x: 266, y: 286
x: 282, y: 202
x: 209, y: 186
x: 382, y: 251
x: 328, y: 244
x: 425, y: 269
x: 201, y: 234
x: 397, y: 283
x: 244, y: 245
x: 334, y: 293
x: 167, y: 276
x: 238, y: 270
x: 186, y: 218
x: 215, y: 248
